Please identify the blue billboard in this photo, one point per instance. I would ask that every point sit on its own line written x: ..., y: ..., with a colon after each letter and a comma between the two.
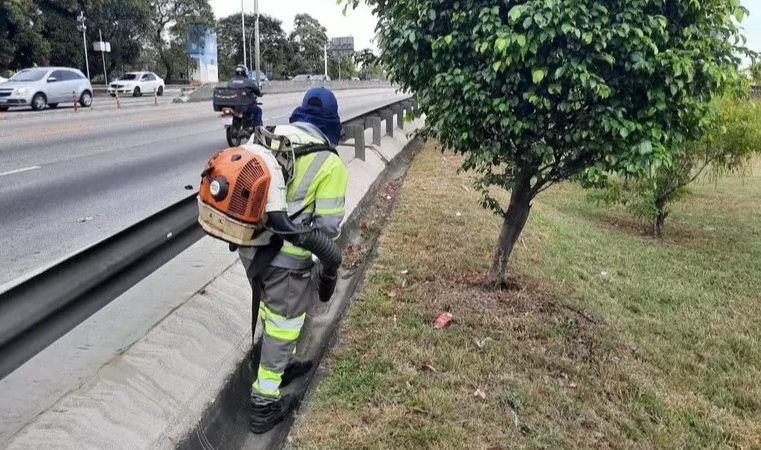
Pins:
x: 202, y: 46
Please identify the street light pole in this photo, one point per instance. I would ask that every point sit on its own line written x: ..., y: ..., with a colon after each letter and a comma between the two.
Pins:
x: 103, y: 55
x: 243, y: 29
x: 326, y: 62
x: 256, y: 40
x: 83, y: 28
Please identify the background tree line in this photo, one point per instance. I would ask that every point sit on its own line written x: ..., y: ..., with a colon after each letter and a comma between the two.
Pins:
x: 153, y: 34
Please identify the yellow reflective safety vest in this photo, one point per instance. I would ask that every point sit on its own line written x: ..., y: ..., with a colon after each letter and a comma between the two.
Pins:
x: 316, y: 194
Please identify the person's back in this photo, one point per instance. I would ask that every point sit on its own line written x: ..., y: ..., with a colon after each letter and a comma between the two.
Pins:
x: 241, y: 81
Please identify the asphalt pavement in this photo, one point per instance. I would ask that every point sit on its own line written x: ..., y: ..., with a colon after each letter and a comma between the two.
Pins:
x: 70, y: 179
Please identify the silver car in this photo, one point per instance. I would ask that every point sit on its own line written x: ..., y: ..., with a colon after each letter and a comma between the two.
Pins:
x: 42, y: 87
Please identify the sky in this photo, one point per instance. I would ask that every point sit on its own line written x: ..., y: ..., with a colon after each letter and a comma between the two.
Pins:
x: 752, y: 24
x: 360, y: 23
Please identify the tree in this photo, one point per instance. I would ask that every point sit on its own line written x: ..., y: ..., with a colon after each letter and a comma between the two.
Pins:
x: 727, y: 145
x: 534, y: 92
x: 273, y: 43
x: 365, y: 57
x: 125, y: 24
x: 59, y: 28
x: 171, y: 21
x: 308, y: 40
x: 341, y: 67
x: 369, y: 63
x: 755, y: 73
x: 22, y: 43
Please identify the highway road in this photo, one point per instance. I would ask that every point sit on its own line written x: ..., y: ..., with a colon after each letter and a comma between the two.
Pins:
x: 70, y: 179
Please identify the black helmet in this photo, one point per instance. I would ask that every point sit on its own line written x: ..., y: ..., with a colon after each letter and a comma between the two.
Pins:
x: 241, y: 71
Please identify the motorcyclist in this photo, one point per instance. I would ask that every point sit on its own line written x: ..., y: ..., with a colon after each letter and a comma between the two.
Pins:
x: 241, y: 81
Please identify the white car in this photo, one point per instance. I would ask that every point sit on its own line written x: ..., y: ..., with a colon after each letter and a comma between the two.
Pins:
x: 137, y: 83
x: 3, y: 80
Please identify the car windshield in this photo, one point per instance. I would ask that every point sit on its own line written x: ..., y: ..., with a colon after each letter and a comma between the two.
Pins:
x: 129, y: 76
x: 29, y: 75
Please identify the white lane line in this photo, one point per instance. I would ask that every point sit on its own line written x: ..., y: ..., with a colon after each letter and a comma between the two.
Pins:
x: 25, y: 169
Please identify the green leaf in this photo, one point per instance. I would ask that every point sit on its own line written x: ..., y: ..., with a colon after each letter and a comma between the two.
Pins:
x: 515, y: 13
x: 496, y: 66
x: 521, y: 40
x: 448, y: 39
x: 432, y: 14
x: 501, y: 44
x: 537, y: 75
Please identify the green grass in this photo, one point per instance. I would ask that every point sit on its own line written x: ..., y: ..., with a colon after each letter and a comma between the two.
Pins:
x: 613, y: 339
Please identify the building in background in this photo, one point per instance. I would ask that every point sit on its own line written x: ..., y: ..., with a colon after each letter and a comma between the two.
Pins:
x: 342, y: 46
x: 202, y: 47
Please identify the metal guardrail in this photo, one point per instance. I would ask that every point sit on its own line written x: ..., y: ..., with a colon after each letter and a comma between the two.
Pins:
x: 41, y: 309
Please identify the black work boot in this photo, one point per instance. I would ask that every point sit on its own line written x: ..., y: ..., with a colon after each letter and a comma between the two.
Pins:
x: 268, y: 412
x: 296, y: 368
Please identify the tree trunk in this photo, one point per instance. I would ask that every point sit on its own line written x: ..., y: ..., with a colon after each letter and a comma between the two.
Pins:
x: 512, y: 225
x: 660, y: 218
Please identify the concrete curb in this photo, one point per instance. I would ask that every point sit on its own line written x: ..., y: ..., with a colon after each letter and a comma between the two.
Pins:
x: 191, y: 365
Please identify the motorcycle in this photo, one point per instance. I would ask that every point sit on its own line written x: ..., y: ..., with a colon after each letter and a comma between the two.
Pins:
x: 239, y: 126
x: 234, y: 105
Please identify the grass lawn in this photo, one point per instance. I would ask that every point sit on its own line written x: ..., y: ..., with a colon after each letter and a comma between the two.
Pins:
x: 611, y: 338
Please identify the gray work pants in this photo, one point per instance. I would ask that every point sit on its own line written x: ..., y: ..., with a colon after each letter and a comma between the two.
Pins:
x: 283, y: 295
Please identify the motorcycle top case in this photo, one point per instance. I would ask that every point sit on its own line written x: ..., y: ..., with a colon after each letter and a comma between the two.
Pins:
x: 238, y: 100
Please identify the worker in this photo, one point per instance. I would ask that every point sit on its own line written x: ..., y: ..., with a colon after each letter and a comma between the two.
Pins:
x: 281, y: 274
x: 241, y: 81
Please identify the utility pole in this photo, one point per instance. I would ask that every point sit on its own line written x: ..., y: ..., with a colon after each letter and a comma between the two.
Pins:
x: 326, y: 62
x: 256, y: 40
x: 103, y: 55
x: 83, y: 28
x: 243, y: 29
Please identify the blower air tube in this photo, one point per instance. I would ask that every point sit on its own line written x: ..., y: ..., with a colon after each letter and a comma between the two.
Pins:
x: 307, y: 238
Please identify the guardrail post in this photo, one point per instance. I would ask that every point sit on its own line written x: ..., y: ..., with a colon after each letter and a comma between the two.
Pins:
x: 356, y: 131
x: 408, y: 106
x: 399, y: 111
x: 155, y: 97
x: 388, y: 115
x: 116, y: 96
x: 374, y: 122
x: 74, y: 99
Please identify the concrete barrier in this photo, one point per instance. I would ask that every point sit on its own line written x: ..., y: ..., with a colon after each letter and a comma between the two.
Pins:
x: 184, y: 384
x: 206, y: 92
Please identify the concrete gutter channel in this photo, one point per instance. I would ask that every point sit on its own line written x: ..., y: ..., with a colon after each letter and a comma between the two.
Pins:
x: 185, y: 383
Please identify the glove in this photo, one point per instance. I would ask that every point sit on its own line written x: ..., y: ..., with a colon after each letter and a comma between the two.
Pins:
x: 326, y: 283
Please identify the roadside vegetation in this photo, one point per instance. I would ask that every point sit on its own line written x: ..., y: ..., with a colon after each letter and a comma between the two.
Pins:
x: 605, y: 338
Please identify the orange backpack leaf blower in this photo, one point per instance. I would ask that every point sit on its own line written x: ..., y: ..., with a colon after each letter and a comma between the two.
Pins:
x: 242, y: 198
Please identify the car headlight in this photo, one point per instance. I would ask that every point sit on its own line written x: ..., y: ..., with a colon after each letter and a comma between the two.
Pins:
x: 21, y: 91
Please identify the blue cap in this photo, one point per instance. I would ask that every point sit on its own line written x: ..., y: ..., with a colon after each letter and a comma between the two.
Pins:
x: 320, y: 108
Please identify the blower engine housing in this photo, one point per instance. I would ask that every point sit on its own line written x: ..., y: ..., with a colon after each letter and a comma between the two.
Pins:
x: 238, y: 187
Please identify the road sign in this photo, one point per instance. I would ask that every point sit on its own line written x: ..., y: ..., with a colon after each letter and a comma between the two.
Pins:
x: 100, y: 46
